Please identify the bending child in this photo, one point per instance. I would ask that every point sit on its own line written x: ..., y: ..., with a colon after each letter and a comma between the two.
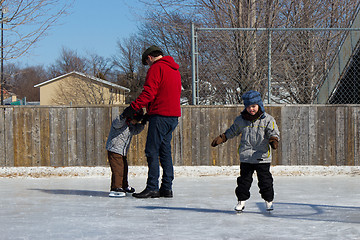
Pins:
x: 117, y: 145
x: 258, y: 130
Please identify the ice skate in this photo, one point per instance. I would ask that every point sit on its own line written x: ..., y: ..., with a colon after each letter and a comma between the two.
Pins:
x: 117, y: 192
x: 240, y: 206
x: 269, y: 206
x: 129, y: 189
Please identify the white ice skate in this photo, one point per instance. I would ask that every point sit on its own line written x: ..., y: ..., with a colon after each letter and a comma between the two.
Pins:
x: 269, y: 206
x: 240, y: 206
x: 119, y: 192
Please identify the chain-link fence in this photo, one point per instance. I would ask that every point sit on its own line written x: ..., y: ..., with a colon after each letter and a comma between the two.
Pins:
x: 284, y: 65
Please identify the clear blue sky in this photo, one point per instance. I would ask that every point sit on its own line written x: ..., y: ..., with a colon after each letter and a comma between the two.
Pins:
x: 92, y: 27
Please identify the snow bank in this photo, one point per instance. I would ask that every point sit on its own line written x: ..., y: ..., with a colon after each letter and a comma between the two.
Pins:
x: 186, y: 171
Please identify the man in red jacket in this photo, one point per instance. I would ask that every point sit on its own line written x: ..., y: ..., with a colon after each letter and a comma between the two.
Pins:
x: 161, y: 97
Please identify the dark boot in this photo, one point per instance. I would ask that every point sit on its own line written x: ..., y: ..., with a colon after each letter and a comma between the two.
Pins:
x: 147, y: 194
x: 166, y: 193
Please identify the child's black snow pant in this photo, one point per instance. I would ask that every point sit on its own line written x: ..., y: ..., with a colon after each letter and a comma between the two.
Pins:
x: 265, y: 181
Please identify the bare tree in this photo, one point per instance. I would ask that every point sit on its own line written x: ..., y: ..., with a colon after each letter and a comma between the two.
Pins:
x: 27, y: 21
x: 68, y: 61
x: 101, y: 67
x: 131, y: 72
x: 171, y: 32
x: 233, y: 62
x: 21, y: 81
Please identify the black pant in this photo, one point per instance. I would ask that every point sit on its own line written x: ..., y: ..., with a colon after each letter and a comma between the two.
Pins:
x: 265, y: 181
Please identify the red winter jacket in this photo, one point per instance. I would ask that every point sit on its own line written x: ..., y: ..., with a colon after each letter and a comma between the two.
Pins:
x: 162, y: 89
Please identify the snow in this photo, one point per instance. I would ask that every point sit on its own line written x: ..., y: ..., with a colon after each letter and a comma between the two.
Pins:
x: 311, y: 202
x: 189, y: 171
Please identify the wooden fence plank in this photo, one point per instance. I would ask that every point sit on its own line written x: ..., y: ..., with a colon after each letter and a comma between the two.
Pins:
x: 186, y: 139
x: 312, y: 146
x: 213, y: 132
x: 20, y: 158
x: 81, y: 137
x: 356, y: 139
x: 58, y: 137
x: 340, y: 147
x: 195, y: 136
x: 90, y: 119
x: 2, y: 138
x: 349, y: 137
x: 101, y: 119
x: 327, y: 134
x: 35, y: 136
x: 71, y: 137
x: 204, y: 158
x: 286, y: 134
x: 331, y: 131
x: 9, y: 137
x: 302, y: 145
x: 44, y: 136
x: 27, y: 136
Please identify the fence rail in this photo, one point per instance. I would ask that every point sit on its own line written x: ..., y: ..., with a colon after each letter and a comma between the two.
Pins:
x: 76, y: 136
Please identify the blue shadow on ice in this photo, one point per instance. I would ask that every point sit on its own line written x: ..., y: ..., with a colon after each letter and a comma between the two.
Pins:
x: 300, y: 211
x: 74, y: 192
x: 314, y: 212
x: 201, y: 210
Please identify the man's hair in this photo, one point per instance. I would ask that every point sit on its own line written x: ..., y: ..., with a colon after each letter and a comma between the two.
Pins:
x: 156, y: 53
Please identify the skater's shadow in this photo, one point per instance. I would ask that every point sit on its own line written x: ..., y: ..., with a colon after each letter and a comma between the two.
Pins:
x: 201, y: 210
x: 74, y: 192
x: 314, y: 212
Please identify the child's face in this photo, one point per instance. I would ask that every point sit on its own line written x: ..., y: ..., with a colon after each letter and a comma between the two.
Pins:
x: 252, y: 109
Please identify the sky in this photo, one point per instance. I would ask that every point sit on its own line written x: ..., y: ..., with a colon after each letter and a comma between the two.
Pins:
x: 92, y: 27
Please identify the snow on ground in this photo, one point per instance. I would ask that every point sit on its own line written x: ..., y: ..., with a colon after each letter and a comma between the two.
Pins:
x: 37, y: 172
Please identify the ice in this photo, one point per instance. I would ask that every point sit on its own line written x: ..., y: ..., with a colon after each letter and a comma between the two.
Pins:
x: 305, y: 207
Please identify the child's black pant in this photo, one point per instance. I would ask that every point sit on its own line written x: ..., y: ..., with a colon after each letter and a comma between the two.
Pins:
x: 265, y: 181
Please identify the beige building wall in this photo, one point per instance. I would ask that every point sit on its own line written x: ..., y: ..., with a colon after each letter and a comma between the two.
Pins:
x: 78, y: 90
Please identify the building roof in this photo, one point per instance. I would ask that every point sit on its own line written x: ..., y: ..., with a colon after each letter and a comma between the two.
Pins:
x: 85, y: 76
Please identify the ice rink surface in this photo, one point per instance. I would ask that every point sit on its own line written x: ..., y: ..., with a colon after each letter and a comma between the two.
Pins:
x: 306, y: 207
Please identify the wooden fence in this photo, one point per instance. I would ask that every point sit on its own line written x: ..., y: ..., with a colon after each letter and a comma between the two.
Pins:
x: 76, y: 136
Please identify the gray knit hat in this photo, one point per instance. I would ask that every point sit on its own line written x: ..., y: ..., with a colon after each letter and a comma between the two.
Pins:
x: 151, y: 49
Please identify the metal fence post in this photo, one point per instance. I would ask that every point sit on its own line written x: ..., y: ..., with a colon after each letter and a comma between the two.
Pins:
x: 193, y: 65
x: 269, y: 67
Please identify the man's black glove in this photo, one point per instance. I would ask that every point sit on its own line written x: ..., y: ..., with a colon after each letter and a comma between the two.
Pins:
x: 129, y: 112
x: 145, y: 119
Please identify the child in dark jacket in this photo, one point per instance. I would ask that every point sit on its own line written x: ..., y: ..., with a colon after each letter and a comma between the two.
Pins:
x: 117, y: 145
x: 258, y: 130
